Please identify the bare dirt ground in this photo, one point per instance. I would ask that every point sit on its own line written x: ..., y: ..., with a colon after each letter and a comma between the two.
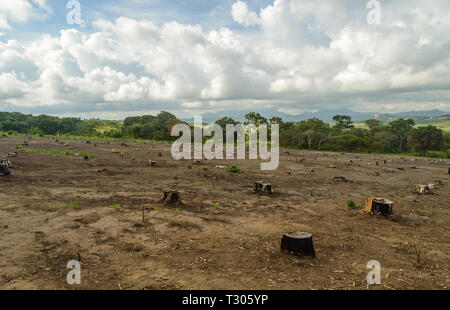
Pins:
x: 224, y: 236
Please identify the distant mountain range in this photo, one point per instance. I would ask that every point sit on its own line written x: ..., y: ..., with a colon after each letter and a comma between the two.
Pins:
x: 325, y: 115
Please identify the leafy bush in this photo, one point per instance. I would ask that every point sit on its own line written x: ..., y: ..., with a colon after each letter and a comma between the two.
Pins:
x: 352, y: 205
x: 73, y: 204
x: 234, y: 169
x: 116, y: 206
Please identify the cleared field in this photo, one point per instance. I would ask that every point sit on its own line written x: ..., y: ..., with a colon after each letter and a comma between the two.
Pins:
x: 106, y: 212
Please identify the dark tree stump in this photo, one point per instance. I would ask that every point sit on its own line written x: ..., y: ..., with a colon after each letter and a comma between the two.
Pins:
x: 261, y: 187
x: 4, y: 170
x: 172, y: 197
x: 379, y: 206
x: 340, y: 179
x: 299, y: 244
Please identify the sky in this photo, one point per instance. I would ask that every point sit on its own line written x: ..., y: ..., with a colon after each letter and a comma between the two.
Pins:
x: 134, y: 57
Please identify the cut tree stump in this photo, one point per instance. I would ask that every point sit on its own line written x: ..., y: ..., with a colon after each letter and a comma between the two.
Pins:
x: 340, y: 179
x: 424, y: 189
x: 4, y: 170
x: 299, y: 244
x: 379, y: 206
x: 172, y: 197
x: 261, y: 187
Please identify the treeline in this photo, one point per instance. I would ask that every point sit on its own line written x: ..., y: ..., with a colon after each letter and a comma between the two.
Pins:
x: 143, y: 127
x: 45, y: 125
x: 399, y: 136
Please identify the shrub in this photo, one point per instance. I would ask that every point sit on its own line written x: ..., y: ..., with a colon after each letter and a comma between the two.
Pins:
x: 73, y: 204
x: 351, y: 204
x: 116, y: 206
x: 234, y: 169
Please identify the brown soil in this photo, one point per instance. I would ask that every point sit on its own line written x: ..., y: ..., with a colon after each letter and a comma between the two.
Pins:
x: 223, y: 236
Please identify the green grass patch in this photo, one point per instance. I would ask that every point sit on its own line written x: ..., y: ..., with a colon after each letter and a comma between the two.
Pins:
x: 234, y: 169
x: 352, y: 205
x: 55, y: 152
x: 116, y: 206
x: 74, y: 204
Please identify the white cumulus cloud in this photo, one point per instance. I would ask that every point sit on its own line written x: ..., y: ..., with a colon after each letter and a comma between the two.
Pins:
x: 300, y: 54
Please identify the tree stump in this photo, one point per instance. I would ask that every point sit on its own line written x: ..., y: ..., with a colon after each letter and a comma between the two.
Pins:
x: 379, y: 206
x: 299, y: 244
x: 172, y: 197
x: 448, y: 171
x: 4, y: 170
x: 340, y: 179
x: 261, y: 187
x: 424, y: 189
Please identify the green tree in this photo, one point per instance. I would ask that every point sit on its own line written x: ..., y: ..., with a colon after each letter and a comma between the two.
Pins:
x: 374, y: 124
x: 401, y: 128
x: 343, y: 121
x: 276, y: 120
x: 224, y: 121
x: 427, y: 138
x: 255, y: 118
